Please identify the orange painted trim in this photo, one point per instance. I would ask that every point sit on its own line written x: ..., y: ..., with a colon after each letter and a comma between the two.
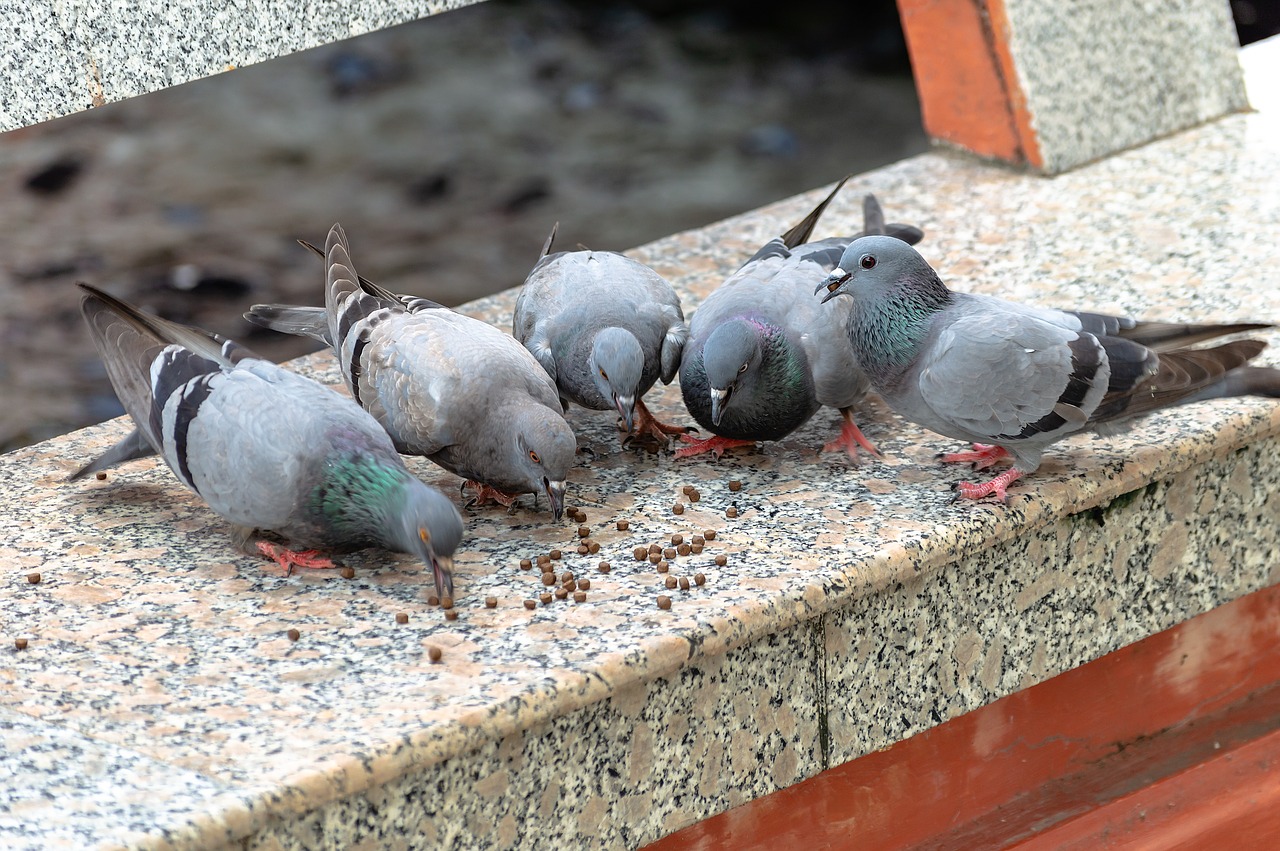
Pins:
x: 1179, y: 721
x: 966, y: 77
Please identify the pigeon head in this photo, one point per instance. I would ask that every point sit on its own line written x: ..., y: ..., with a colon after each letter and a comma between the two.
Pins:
x: 543, y: 453
x: 616, y: 365
x: 731, y: 357
x: 425, y: 523
x: 872, y: 267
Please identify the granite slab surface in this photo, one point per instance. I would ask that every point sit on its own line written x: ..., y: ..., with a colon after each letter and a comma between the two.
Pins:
x: 64, y: 56
x: 159, y: 701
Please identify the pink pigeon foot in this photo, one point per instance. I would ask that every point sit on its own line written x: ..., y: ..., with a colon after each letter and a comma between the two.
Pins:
x: 484, y: 494
x: 851, y: 437
x: 982, y: 456
x: 289, y: 559
x: 996, y: 486
x: 715, y: 444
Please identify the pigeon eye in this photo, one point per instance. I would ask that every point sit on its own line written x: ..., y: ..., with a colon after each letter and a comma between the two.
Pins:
x: 603, y: 375
x: 425, y: 535
x: 868, y: 261
x: 742, y: 369
x: 533, y: 456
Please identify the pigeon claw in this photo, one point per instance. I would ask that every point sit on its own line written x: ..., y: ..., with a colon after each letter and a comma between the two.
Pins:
x: 982, y: 456
x: 289, y: 559
x: 716, y: 445
x: 650, y: 431
x: 996, y: 487
x: 485, y: 494
x: 850, y: 438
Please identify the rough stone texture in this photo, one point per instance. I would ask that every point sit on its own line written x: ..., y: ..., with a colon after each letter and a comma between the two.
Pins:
x: 63, y: 57
x: 1100, y: 77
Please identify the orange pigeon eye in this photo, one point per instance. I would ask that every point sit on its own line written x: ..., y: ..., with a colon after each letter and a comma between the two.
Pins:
x: 425, y: 535
x: 602, y: 375
x: 533, y: 456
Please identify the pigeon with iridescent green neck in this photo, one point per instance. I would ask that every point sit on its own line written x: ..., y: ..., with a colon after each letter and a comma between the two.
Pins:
x: 762, y: 358
x: 605, y: 328
x: 266, y: 448
x: 1011, y: 378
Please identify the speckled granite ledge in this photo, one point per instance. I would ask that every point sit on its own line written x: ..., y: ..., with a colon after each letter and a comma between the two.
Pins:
x: 64, y: 56
x: 160, y: 704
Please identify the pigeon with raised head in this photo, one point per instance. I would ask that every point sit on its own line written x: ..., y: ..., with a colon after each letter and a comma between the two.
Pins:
x: 266, y: 448
x: 445, y: 386
x: 605, y: 328
x: 762, y: 358
x: 1011, y: 378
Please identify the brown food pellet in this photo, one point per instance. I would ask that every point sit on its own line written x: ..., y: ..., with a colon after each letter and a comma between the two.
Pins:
x: 709, y: 534
x: 433, y: 600
x: 580, y: 596
x: 684, y: 549
x: 671, y: 582
x: 663, y: 566
x: 583, y: 549
x: 491, y: 602
x: 33, y: 578
x: 293, y: 634
x: 695, y: 496
x: 696, y: 549
x: 530, y: 604
x: 684, y: 583
x: 583, y: 531
x: 593, y: 548
x: 584, y: 584
x: 731, y: 512
x: 669, y: 552
x: 434, y: 653
x: 677, y: 539
x: 446, y: 602
x: 687, y: 489
x: 735, y: 485
x: 624, y: 525
x: 561, y: 593
x: 721, y: 560
x: 664, y: 602
x: 545, y: 597
x: 402, y: 617
x: 641, y: 553
x: 548, y: 578
x: 698, y: 539
x: 567, y: 576
x: 654, y: 548
x: 525, y: 564
x: 677, y: 509
x: 571, y: 585
x: 605, y: 567
x: 556, y: 555
x: 654, y: 558
x: 699, y: 579
x: 101, y: 476
x: 451, y: 614
x: 348, y: 573
x: 21, y: 643
x: 544, y: 560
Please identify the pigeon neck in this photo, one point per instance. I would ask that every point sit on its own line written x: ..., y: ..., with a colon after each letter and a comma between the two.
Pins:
x: 356, y: 496
x: 888, y: 332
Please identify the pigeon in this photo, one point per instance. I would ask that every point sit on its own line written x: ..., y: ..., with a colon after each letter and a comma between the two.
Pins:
x: 446, y: 386
x: 605, y: 328
x: 762, y: 357
x: 266, y: 448
x: 1012, y: 378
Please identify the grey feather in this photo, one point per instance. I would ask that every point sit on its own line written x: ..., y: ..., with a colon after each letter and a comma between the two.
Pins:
x: 264, y: 447
x: 762, y: 356
x: 444, y: 385
x: 1015, y: 376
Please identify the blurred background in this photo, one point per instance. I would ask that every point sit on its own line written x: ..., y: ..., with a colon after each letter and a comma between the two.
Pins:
x: 447, y: 147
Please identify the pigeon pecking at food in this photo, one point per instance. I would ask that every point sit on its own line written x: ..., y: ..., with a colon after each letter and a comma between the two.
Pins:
x: 266, y: 448
x: 762, y: 357
x: 443, y: 385
x: 605, y: 328
x: 1012, y: 378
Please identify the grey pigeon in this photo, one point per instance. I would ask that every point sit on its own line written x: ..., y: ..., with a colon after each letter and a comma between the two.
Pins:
x: 762, y: 357
x: 605, y: 328
x: 266, y: 448
x: 1011, y: 378
x: 443, y: 385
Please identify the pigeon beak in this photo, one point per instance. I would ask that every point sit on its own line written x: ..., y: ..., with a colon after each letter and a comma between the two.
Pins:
x: 555, y: 494
x: 626, y: 406
x: 719, y: 401
x: 442, y: 568
x: 832, y: 284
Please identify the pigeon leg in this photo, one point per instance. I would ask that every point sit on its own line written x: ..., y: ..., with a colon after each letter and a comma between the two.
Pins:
x: 484, y: 494
x: 289, y: 559
x: 646, y: 422
x: 715, y: 444
x: 996, y: 486
x: 851, y: 437
x: 982, y: 456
